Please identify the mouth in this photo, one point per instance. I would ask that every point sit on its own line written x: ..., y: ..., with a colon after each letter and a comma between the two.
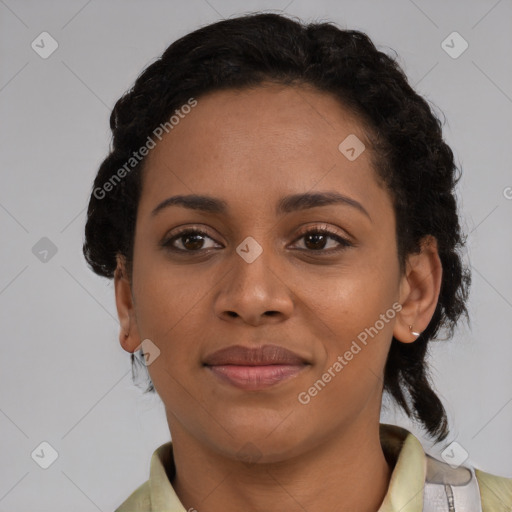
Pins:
x: 254, y: 368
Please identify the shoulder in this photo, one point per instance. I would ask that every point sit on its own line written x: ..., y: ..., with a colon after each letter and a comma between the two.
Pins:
x: 465, y: 487
x: 496, y: 492
x: 138, y: 501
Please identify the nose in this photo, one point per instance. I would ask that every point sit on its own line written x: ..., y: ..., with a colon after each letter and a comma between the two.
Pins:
x: 253, y: 293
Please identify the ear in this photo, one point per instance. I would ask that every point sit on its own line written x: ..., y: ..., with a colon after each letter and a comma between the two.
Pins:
x: 419, y: 291
x: 128, y: 333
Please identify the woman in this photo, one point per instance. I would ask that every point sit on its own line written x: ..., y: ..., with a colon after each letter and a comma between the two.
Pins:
x: 278, y: 215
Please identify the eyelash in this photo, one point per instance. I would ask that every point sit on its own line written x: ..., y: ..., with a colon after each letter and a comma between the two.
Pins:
x: 344, y: 243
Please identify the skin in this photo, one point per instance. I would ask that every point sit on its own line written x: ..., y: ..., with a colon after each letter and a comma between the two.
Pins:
x: 251, y: 148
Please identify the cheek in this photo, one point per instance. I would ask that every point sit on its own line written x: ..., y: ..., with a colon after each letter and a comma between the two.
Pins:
x: 165, y: 296
x: 350, y: 366
x: 360, y: 332
x: 167, y: 307
x: 352, y: 315
x: 351, y: 298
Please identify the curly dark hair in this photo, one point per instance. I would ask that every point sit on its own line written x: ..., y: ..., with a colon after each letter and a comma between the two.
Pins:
x: 408, y: 153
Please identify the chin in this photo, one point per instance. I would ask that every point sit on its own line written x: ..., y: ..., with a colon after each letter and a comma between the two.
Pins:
x: 261, y: 442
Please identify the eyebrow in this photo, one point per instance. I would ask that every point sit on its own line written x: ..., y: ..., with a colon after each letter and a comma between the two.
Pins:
x: 287, y: 204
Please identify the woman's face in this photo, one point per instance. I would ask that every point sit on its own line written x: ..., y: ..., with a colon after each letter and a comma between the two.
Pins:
x: 255, y: 277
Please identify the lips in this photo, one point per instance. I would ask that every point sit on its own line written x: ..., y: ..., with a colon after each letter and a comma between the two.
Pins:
x: 254, y: 368
x: 259, y: 356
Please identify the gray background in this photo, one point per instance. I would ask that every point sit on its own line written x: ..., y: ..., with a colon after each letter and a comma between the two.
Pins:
x: 64, y: 377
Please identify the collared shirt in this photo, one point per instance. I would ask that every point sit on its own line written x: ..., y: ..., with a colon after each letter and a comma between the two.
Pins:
x: 411, y: 487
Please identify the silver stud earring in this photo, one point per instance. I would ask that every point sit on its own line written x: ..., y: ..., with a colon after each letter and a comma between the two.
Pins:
x: 414, y: 333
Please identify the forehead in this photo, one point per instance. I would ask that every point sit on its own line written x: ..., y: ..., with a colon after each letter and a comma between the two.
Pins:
x: 253, y: 143
x: 269, y: 115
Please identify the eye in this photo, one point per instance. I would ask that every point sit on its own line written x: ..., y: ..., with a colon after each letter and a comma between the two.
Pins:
x: 315, y: 240
x: 191, y: 240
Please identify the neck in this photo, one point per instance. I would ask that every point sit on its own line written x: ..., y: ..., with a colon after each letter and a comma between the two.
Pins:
x: 344, y: 473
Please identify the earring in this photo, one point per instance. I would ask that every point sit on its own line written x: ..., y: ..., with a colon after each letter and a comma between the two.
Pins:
x: 414, y: 333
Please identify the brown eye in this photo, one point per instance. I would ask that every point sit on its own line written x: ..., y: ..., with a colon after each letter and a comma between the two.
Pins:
x: 317, y: 240
x: 191, y: 240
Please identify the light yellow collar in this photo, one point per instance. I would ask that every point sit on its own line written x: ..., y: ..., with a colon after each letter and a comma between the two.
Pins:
x: 405, y: 492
